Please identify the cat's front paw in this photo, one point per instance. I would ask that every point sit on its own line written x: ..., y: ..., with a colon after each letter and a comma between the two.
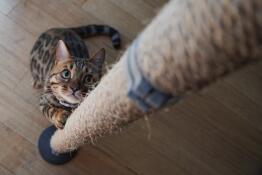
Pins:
x: 61, y: 118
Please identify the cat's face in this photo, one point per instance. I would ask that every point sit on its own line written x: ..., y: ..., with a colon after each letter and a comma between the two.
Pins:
x: 71, y: 79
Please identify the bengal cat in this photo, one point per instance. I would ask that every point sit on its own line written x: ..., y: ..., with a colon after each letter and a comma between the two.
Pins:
x: 61, y: 67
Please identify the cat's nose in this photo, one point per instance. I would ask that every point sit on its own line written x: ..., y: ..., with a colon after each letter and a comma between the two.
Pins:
x: 74, y: 88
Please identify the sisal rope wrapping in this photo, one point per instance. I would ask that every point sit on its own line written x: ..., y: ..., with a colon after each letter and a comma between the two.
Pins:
x: 187, y: 46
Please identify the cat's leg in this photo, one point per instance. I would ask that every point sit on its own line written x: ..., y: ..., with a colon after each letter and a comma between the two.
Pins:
x: 55, y: 115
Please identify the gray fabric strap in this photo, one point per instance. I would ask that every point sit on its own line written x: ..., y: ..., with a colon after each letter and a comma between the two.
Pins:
x: 140, y: 89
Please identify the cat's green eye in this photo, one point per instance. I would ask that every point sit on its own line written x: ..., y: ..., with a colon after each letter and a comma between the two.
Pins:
x: 65, y: 74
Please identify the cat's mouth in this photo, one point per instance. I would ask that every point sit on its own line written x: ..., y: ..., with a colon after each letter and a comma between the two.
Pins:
x: 69, y: 97
x: 73, y: 99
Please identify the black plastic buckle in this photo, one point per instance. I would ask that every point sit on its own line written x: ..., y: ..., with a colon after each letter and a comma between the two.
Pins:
x: 140, y: 90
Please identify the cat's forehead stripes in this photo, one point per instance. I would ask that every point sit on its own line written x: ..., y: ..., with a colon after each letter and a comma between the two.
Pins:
x: 80, y: 62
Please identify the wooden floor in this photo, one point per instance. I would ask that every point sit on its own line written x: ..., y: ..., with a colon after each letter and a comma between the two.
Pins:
x: 216, y: 132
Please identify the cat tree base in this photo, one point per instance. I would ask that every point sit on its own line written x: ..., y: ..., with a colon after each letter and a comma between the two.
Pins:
x: 46, y: 151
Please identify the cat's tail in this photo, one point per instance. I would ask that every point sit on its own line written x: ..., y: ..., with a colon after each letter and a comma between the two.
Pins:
x: 92, y: 30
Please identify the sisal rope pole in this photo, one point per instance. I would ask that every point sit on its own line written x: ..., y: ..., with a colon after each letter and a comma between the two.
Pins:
x: 187, y: 46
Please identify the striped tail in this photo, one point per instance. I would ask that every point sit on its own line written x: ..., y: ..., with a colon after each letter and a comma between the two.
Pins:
x: 92, y: 30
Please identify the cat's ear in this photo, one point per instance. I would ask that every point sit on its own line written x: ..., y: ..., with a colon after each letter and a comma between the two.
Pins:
x: 62, y: 52
x: 99, y: 58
